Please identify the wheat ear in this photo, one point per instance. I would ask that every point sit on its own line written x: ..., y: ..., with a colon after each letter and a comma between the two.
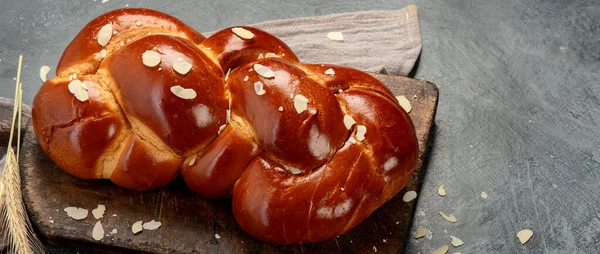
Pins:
x: 14, y: 219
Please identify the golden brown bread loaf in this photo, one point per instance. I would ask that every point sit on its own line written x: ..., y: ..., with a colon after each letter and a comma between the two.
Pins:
x: 306, y: 151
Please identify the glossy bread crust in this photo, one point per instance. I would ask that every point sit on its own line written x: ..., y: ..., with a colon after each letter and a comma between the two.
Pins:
x: 305, y: 151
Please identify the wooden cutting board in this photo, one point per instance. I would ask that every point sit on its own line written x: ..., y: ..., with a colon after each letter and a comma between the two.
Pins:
x: 190, y: 222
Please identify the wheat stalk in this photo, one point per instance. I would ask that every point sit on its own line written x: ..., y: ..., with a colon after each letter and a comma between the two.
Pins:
x: 14, y: 220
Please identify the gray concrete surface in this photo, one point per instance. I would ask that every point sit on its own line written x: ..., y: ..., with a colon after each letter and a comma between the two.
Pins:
x: 518, y: 117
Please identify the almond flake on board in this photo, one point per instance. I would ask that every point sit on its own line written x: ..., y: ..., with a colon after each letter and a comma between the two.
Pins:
x: 441, y: 250
x: 98, y: 231
x: 409, y: 196
x: 137, y: 227
x: 99, y: 212
x: 441, y: 191
x: 456, y: 241
x: 421, y: 232
x: 76, y: 213
x: 151, y: 225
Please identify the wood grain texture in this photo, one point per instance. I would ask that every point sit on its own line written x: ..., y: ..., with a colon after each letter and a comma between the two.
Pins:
x: 189, y: 222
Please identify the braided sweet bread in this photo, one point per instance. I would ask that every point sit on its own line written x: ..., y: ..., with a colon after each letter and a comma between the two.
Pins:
x: 306, y: 151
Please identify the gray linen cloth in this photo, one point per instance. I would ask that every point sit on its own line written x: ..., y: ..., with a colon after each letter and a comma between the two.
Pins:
x: 387, y: 42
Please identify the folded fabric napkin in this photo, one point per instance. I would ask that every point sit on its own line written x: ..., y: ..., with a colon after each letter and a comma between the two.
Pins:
x: 387, y: 42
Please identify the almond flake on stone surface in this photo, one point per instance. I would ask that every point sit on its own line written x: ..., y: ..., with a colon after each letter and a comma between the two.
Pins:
x: 98, y: 231
x: 449, y: 218
x: 300, y: 103
x: 183, y: 93
x: 44, y: 72
x: 361, y: 131
x: 79, y: 90
x: 137, y: 227
x: 330, y: 72
x: 348, y: 121
x: 421, y: 232
x: 76, y: 213
x: 242, y: 33
x: 280, y: 108
x: 484, y: 195
x: 192, y: 160
x: 246, y: 78
x: 151, y: 225
x: 455, y: 241
x: 260, y: 56
x: 270, y: 54
x: 99, y: 212
x: 151, y: 58
x: 441, y: 191
x: 104, y: 34
x: 335, y: 36
x: 258, y: 88
x: 374, y: 249
x: 182, y: 66
x: 441, y: 250
x: 114, y: 231
x: 217, y: 236
x: 409, y: 196
x: 404, y: 103
x: 263, y: 71
x: 524, y: 235
x: 138, y: 23
x: 51, y: 221
x: 221, y: 128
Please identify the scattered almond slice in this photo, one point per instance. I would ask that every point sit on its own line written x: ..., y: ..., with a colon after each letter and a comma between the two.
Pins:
x: 183, y: 93
x: 217, y: 236
x: 404, y: 103
x: 192, y: 160
x: 263, y: 71
x: 441, y: 191
x: 270, y: 54
x: 524, y: 235
x: 151, y: 225
x: 76, y: 213
x: 484, y: 195
x: 348, y: 121
x: 114, y: 231
x: 280, y: 108
x: 330, y: 72
x: 98, y: 231
x: 105, y: 34
x: 335, y: 36
x: 137, y: 227
x: 99, y: 212
x: 258, y: 88
x: 44, y: 72
x: 151, y: 58
x: 449, y: 218
x: 351, y: 140
x: 182, y: 66
x: 260, y: 56
x: 374, y: 249
x: 300, y: 103
x: 441, y: 250
x: 421, y: 232
x: 242, y: 33
x: 246, y: 78
x: 79, y: 89
x: 361, y: 131
x: 409, y: 196
x: 455, y: 241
